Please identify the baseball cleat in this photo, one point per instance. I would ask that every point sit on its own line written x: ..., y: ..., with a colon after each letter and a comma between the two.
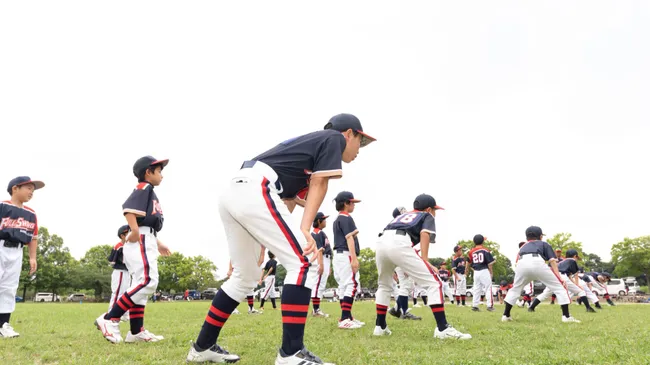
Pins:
x: 591, y: 310
x: 260, y: 311
x: 110, y: 330
x: 214, y: 354
x: 569, y: 320
x: 417, y: 306
x: 531, y: 309
x: 451, y: 332
x: 490, y: 309
x: 143, y: 336
x: 520, y: 303
x: 381, y: 332
x: 410, y: 316
x: 348, y: 324
x: 611, y: 303
x: 394, y: 312
x: 475, y: 309
x: 253, y: 311
x: 506, y: 319
x: 302, y: 357
x: 320, y: 313
x: 358, y: 322
x: 7, y: 331
x: 125, y: 317
x: 236, y: 311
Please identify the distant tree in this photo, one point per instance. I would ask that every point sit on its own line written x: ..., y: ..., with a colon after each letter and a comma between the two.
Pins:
x: 56, y: 266
x: 564, y: 242
x: 280, y: 275
x: 436, y: 261
x: 632, y: 257
x: 367, y: 268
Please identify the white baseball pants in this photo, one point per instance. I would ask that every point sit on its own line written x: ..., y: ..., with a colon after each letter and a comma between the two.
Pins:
x: 571, y: 287
x: 11, y: 262
x: 482, y: 286
x: 529, y: 289
x: 269, y: 288
x: 253, y: 214
x: 530, y: 268
x: 461, y: 285
x: 447, y: 290
x: 393, y: 250
x: 348, y: 282
x: 590, y: 294
x: 406, y: 286
x: 120, y: 282
x: 141, y: 259
x: 321, y: 281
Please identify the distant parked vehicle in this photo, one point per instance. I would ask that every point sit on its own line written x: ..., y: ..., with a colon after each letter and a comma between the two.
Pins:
x: 19, y: 299
x: 617, y: 287
x: 209, y: 293
x: 46, y: 297
x: 76, y: 297
x: 329, y: 294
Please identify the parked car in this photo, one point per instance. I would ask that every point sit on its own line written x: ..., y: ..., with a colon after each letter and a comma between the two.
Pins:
x: 76, y: 297
x: 209, y: 293
x: 192, y: 295
x: 365, y: 293
x: 329, y: 294
x: 19, y: 299
x: 46, y: 297
x: 617, y: 287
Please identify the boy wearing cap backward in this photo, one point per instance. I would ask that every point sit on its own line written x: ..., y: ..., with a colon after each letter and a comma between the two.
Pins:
x: 395, y: 248
x: 120, y: 279
x: 346, y: 263
x: 140, y: 251
x: 531, y: 265
x: 253, y: 212
x: 18, y: 227
x: 324, y: 263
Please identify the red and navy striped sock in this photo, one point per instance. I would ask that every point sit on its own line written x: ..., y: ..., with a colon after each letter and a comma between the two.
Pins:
x: 462, y: 297
x: 316, y: 303
x: 438, y: 311
x: 295, y: 306
x: 381, y: 316
x: 346, y: 308
x: 120, y: 307
x: 136, y: 318
x: 457, y: 299
x: 250, y: 302
x: 221, y: 308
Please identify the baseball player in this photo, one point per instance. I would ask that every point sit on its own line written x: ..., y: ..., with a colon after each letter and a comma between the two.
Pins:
x: 120, y: 279
x: 140, y: 251
x: 443, y: 274
x: 587, y: 286
x: 256, y: 210
x: 503, y: 290
x: 18, y: 228
x: 346, y: 264
x: 529, y: 290
x: 324, y: 262
x: 568, y: 269
x: 531, y: 265
x: 395, y: 248
x: 558, y: 254
x: 600, y: 280
x: 481, y: 261
x: 458, y: 269
x: 268, y: 277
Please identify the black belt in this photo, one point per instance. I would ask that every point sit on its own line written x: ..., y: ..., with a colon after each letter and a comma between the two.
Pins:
x: 530, y: 253
x: 251, y: 163
x: 11, y: 244
x: 341, y: 251
x: 328, y: 255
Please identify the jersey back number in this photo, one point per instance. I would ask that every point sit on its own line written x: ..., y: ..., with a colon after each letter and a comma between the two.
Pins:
x: 478, y: 257
x: 406, y: 218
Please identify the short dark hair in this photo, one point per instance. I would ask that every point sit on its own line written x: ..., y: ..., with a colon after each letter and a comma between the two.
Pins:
x: 341, y: 205
x: 329, y: 126
x: 151, y: 168
x: 316, y: 223
x: 271, y: 255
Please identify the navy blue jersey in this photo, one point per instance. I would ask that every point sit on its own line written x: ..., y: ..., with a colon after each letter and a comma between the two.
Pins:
x: 414, y: 223
x: 322, y: 241
x: 541, y: 248
x: 480, y: 257
x: 116, y: 258
x: 144, y: 203
x: 271, y: 264
x: 593, y: 276
x: 298, y: 159
x: 18, y: 225
x: 443, y: 274
x: 458, y: 265
x: 342, y: 227
x: 568, y: 267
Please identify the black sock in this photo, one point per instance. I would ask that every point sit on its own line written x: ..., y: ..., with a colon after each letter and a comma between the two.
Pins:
x: 4, y: 318
x: 439, y: 314
x: 535, y: 303
x: 273, y: 303
x: 565, y: 310
x: 402, y: 304
x: 381, y: 316
x: 262, y: 303
x: 316, y: 303
x: 462, y: 297
x: 597, y: 305
x: 425, y: 299
x: 120, y: 307
x: 415, y: 301
x: 251, y: 302
x: 136, y: 318
x: 295, y: 306
x: 585, y: 301
x: 506, y: 312
x: 220, y: 310
x: 346, y: 308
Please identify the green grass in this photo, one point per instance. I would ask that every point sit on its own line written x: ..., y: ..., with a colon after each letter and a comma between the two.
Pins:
x: 64, y: 334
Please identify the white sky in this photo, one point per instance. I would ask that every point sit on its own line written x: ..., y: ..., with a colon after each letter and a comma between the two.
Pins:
x: 509, y: 113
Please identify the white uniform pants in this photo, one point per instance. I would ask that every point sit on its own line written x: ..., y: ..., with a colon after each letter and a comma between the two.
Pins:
x: 590, y: 294
x: 530, y: 268
x: 406, y: 285
x: 141, y: 259
x: 393, y: 250
x: 461, y: 285
x: 348, y: 282
x: 11, y: 262
x: 321, y: 281
x: 529, y: 289
x: 447, y: 290
x: 120, y: 282
x: 571, y: 287
x: 269, y: 288
x: 482, y: 286
x: 253, y: 214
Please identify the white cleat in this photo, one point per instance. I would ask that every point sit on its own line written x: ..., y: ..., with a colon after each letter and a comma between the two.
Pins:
x: 236, y: 311
x: 7, y: 331
x: 451, y: 332
x: 506, y: 319
x: 347, y: 324
x: 417, y: 306
x: 302, y: 357
x: 110, y: 330
x: 569, y: 320
x: 320, y: 313
x: 253, y: 311
x: 381, y: 332
x: 358, y: 322
x: 213, y: 354
x: 125, y: 317
x: 143, y: 336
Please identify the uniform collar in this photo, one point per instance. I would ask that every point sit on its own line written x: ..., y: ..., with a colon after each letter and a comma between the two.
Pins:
x: 344, y: 213
x: 316, y: 230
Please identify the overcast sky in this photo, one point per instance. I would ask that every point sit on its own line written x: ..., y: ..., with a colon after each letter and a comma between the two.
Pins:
x: 509, y: 113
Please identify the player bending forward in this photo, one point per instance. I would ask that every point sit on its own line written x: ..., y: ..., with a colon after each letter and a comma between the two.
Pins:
x: 395, y: 248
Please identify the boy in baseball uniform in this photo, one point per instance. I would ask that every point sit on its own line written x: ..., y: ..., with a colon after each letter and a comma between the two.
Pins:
x: 458, y: 265
x: 481, y: 261
x: 268, y: 277
x: 120, y: 279
x: 324, y: 263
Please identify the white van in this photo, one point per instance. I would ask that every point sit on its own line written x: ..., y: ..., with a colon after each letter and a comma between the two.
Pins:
x: 616, y: 287
x: 46, y: 297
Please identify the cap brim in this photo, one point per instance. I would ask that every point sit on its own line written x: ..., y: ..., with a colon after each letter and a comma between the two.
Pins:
x: 37, y: 184
x: 355, y: 200
x: 325, y: 217
x: 162, y: 163
x: 366, y: 139
x: 437, y: 207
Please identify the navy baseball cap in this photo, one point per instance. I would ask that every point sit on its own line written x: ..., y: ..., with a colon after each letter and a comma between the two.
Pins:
x: 443, y: 263
x: 457, y: 247
x: 534, y: 232
x: 397, y: 211
x: 606, y: 274
x: 572, y: 252
x: 346, y: 196
x: 24, y: 180
x: 343, y: 122
x: 424, y: 201
x: 479, y: 239
x: 123, y: 230
x: 143, y: 163
x: 320, y: 216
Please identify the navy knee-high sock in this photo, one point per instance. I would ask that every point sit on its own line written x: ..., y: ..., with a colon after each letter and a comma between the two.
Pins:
x: 220, y: 310
x: 295, y: 306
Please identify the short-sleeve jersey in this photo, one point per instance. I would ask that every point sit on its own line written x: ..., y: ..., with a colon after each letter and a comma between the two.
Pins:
x: 271, y: 264
x: 116, y: 258
x: 322, y: 241
x: 144, y: 203
x: 568, y: 267
x: 17, y: 225
x: 414, y: 223
x: 480, y: 257
x: 443, y: 274
x: 458, y: 264
x: 343, y: 226
x: 541, y: 248
x: 298, y: 159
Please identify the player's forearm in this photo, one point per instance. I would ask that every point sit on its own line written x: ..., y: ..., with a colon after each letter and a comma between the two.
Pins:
x: 317, y: 191
x: 351, y: 248
x: 320, y: 258
x: 32, y: 249
x: 554, y: 268
x: 132, y: 222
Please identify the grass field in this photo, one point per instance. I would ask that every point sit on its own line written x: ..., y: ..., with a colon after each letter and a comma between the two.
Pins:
x: 64, y: 334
